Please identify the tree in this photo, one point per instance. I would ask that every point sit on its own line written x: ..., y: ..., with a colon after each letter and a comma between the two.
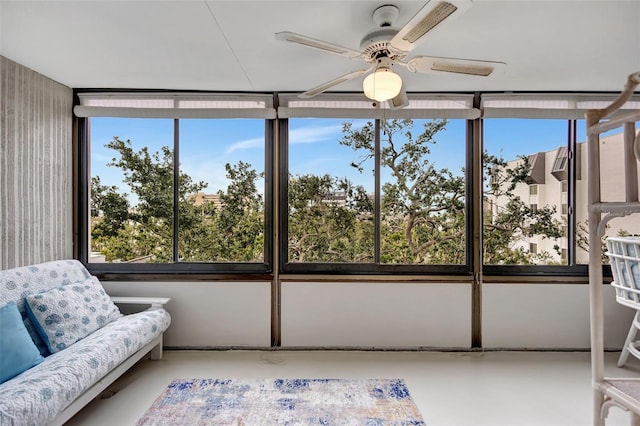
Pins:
x: 511, y: 220
x: 240, y: 222
x: 423, y: 219
x: 329, y: 220
x: 106, y: 199
x: 232, y: 232
x: 422, y: 206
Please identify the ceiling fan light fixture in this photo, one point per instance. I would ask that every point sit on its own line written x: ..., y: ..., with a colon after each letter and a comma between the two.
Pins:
x: 382, y: 85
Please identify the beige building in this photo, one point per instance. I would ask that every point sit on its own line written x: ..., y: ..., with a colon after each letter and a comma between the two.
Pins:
x: 200, y: 198
x: 548, y: 186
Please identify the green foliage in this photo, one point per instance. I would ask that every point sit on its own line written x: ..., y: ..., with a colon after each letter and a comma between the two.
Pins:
x: 422, y: 206
x: 330, y: 219
x: 110, y: 209
x: 231, y: 233
x: 513, y: 221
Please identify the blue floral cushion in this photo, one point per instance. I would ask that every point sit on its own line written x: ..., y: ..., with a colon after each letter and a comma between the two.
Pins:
x: 40, y: 344
x: 18, y: 283
x: 68, y: 313
x: 37, y: 396
x: 18, y: 353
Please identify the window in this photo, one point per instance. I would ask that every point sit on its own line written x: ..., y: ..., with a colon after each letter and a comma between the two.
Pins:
x: 612, y: 189
x: 518, y: 231
x: 184, y: 191
x: 330, y: 194
x: 131, y: 193
x: 222, y: 214
x: 183, y: 183
x: 374, y: 192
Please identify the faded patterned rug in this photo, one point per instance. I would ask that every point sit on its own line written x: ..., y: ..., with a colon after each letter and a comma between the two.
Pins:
x: 371, y: 402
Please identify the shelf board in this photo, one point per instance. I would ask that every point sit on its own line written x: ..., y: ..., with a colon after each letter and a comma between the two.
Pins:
x: 617, y: 207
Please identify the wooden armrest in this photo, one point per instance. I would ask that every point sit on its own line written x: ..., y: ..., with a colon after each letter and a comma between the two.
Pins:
x: 155, y: 302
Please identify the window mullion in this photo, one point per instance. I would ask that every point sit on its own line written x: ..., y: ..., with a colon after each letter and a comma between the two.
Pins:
x: 376, y: 209
x: 475, y: 204
x: 176, y: 187
x: 571, y: 192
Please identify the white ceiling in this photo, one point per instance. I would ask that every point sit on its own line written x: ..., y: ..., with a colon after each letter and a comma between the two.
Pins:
x: 572, y: 45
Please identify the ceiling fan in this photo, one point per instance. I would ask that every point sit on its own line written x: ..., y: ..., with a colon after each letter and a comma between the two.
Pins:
x: 387, y: 46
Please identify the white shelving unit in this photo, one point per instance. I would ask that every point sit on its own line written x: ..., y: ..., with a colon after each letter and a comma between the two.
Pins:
x: 608, y: 392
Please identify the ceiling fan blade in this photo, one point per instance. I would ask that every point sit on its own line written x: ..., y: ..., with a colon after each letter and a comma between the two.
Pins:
x: 329, y: 84
x: 317, y: 44
x: 435, y: 65
x: 430, y: 17
x: 400, y: 101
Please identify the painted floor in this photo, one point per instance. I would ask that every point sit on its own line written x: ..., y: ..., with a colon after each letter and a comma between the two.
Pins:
x: 449, y: 388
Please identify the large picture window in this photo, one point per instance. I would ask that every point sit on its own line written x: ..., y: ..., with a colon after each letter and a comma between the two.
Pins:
x: 222, y: 214
x: 197, y: 183
x: 374, y: 190
x: 182, y: 193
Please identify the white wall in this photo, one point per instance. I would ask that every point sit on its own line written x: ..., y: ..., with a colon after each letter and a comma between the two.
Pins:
x: 547, y: 316
x: 209, y: 314
x: 384, y: 315
x: 381, y: 315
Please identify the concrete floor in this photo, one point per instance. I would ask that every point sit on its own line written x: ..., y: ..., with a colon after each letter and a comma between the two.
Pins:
x: 449, y: 388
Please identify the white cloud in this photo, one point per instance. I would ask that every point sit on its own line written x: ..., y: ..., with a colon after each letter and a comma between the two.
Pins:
x: 247, y: 144
x: 314, y: 134
x: 310, y: 134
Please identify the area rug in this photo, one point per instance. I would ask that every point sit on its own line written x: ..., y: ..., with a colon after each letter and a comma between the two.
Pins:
x: 370, y: 402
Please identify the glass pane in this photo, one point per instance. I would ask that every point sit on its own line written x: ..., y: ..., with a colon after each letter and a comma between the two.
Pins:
x: 221, y: 212
x: 423, y: 192
x: 131, y: 190
x: 331, y: 187
x: 612, y: 188
x: 525, y: 169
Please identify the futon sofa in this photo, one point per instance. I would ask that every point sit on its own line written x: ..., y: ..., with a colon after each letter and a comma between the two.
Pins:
x: 70, y: 337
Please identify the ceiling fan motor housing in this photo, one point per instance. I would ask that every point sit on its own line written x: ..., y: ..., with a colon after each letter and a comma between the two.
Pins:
x: 376, y: 44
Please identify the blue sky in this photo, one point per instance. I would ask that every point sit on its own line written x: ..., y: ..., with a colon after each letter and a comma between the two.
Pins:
x: 207, y: 145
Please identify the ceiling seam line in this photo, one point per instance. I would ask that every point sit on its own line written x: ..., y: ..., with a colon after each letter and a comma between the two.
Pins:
x: 226, y: 40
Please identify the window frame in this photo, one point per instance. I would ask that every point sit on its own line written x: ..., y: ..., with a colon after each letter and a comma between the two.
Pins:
x: 276, y: 184
x: 175, y: 269
x: 373, y: 268
x: 521, y: 108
